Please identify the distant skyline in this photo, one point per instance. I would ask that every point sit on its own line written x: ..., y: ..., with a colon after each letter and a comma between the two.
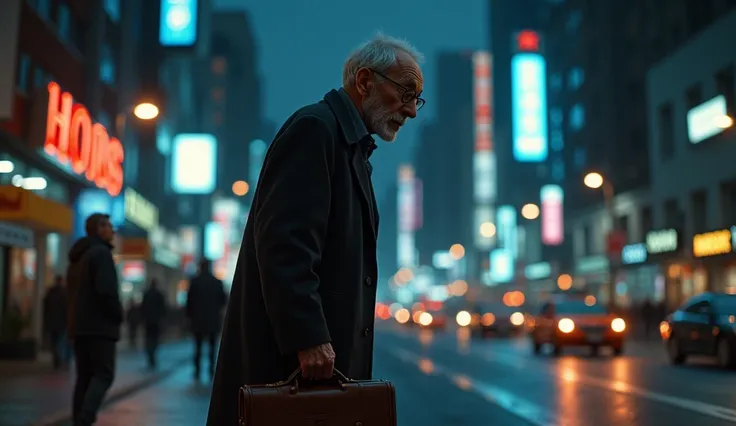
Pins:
x: 302, y: 46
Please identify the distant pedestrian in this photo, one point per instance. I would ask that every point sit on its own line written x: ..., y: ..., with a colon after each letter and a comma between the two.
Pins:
x: 54, y: 318
x: 153, y: 313
x: 95, y: 315
x: 205, y: 302
x: 304, y: 290
x: 133, y: 322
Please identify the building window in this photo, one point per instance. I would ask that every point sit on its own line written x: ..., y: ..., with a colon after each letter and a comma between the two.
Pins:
x: 39, y: 78
x: 22, y: 79
x: 579, y: 158
x: 694, y: 96
x: 112, y: 8
x: 647, y: 220
x: 726, y: 86
x: 43, y: 8
x: 575, y: 78
x: 219, y: 66
x: 666, y: 131
x: 107, y: 65
x: 64, y: 24
x: 672, y: 217
x: 577, y: 117
x: 573, y: 21
x: 555, y: 82
x: 699, y: 207
x: 558, y: 170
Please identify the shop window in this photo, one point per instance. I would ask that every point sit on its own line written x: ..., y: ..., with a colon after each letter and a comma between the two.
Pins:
x: 699, y: 210
x: 22, y: 78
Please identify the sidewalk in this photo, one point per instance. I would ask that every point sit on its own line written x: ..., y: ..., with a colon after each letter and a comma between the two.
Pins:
x: 42, y: 398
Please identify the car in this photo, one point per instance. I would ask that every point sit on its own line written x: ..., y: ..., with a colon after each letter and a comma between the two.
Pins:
x: 567, y: 322
x: 497, y: 319
x: 429, y: 315
x: 704, y: 325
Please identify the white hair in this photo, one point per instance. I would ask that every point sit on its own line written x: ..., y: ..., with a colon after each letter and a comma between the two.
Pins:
x: 378, y: 53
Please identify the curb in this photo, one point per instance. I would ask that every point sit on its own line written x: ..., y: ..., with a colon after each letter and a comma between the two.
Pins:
x: 58, y: 418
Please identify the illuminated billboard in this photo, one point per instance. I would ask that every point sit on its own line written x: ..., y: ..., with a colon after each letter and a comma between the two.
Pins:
x: 507, y: 229
x: 178, y: 26
x: 552, y: 198
x: 194, y: 164
x: 483, y: 94
x: 707, y: 119
x: 502, y: 266
x: 529, y: 107
x: 408, y: 215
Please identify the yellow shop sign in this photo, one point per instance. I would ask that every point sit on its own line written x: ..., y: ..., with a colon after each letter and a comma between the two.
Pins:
x: 712, y: 243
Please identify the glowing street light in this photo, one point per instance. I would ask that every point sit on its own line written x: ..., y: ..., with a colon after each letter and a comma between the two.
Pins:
x: 724, y: 122
x: 530, y: 211
x: 593, y: 180
x: 457, y: 251
x: 487, y: 230
x: 146, y: 111
x: 240, y: 188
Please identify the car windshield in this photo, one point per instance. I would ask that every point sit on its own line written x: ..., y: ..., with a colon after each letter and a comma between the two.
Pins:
x: 725, y: 304
x: 579, y: 308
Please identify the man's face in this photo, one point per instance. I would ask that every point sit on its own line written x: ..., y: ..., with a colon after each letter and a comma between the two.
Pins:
x: 106, y: 231
x: 391, y: 98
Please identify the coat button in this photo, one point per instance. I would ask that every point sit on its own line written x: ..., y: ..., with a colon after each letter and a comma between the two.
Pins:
x: 366, y: 332
x: 368, y: 281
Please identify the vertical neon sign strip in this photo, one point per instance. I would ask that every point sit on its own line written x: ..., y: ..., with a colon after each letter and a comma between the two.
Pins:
x: 482, y: 99
x: 529, y: 107
x: 552, y: 197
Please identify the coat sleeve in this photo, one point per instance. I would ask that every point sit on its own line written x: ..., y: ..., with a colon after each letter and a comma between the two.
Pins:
x: 106, y: 282
x: 293, y: 207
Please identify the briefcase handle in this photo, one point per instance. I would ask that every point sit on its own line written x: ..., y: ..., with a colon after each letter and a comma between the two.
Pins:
x: 339, y: 379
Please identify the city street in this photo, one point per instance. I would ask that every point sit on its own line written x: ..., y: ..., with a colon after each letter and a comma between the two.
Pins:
x: 446, y: 379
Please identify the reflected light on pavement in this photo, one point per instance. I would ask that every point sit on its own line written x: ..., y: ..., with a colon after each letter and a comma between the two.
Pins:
x: 426, y: 366
x: 622, y: 370
x: 568, y: 399
x: 462, y: 382
x: 426, y: 337
x: 463, y: 340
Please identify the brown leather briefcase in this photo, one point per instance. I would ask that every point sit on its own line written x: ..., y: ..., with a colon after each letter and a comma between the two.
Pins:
x: 337, y: 402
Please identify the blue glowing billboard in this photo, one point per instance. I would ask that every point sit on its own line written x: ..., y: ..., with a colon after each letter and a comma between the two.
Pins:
x: 194, y: 164
x: 529, y: 107
x: 178, y: 26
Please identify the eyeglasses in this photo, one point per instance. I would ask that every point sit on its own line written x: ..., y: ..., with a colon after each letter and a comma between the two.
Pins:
x: 407, y: 94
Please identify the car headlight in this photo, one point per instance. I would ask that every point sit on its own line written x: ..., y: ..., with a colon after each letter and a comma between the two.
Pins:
x: 566, y: 325
x: 618, y: 325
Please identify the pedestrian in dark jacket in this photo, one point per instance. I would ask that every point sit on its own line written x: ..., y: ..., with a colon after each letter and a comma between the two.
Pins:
x: 153, y: 311
x: 54, y: 318
x: 205, y: 302
x: 94, y: 317
x: 304, y: 290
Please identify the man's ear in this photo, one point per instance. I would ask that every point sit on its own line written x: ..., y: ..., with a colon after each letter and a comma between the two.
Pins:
x: 364, y: 81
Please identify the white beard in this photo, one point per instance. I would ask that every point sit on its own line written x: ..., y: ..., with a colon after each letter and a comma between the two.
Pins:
x: 379, y: 118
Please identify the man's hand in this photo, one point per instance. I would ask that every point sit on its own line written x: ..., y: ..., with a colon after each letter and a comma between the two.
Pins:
x: 317, y: 363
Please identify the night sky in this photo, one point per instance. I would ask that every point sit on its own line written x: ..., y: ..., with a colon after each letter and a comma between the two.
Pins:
x: 303, y: 44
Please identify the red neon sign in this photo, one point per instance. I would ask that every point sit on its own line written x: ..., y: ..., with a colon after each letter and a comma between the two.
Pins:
x: 528, y: 41
x: 72, y: 137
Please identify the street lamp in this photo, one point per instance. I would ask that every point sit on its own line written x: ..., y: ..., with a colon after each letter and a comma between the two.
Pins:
x: 724, y: 122
x: 595, y: 180
x: 145, y: 111
x: 530, y: 211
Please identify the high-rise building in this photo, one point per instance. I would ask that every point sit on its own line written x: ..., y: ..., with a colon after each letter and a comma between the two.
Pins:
x: 235, y: 95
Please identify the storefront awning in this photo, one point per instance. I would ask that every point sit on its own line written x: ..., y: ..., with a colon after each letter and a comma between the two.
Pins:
x: 27, y: 208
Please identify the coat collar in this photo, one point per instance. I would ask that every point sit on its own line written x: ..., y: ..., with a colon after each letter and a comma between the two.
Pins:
x: 351, y: 124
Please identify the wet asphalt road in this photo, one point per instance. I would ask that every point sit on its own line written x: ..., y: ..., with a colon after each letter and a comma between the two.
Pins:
x: 447, y: 379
